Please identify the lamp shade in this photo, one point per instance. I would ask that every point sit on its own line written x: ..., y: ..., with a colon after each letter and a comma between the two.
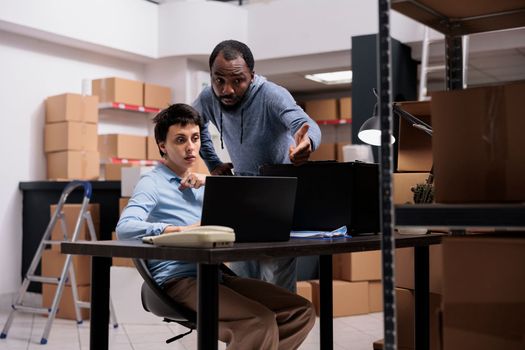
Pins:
x: 370, y: 132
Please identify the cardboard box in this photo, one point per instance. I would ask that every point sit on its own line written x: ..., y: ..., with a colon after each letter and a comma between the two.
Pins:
x: 304, y: 289
x: 375, y: 296
x: 53, y: 263
x: 405, y: 306
x: 69, y: 165
x: 66, y: 307
x: 414, y: 149
x: 484, y: 292
x: 345, y: 108
x: 349, y: 298
x: 122, y: 146
x: 404, y: 265
x: 477, y: 143
x: 325, y: 151
x: 152, y: 150
x: 113, y: 172
x: 157, y: 96
x: 403, y: 184
x: 72, y: 107
x: 71, y: 212
x: 130, y: 177
x: 360, y: 266
x: 119, y: 90
x: 122, y: 202
x: 125, y: 262
x: 70, y: 136
x: 326, y: 109
x: 379, y: 344
x: 339, y: 154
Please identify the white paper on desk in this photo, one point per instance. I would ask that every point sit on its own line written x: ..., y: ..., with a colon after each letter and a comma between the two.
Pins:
x: 340, y: 232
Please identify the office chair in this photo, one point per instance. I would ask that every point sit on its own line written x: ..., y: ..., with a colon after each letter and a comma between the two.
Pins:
x: 155, y: 300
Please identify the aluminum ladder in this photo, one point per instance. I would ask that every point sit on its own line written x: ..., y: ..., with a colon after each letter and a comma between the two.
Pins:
x: 67, y: 270
x: 425, y: 69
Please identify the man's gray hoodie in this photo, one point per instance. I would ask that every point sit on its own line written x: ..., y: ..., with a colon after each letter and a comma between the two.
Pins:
x: 258, y: 131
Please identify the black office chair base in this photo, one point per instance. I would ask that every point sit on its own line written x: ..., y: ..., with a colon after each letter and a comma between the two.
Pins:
x: 177, y: 337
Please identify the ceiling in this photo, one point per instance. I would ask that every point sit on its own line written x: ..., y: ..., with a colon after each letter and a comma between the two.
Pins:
x: 495, y: 58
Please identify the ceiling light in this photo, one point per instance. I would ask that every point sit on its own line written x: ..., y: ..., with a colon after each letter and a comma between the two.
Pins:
x: 330, y: 78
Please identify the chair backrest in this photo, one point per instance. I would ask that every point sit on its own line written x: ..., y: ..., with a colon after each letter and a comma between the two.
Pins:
x: 156, y: 301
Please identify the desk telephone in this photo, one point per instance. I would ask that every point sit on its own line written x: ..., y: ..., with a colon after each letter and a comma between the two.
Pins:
x: 210, y: 236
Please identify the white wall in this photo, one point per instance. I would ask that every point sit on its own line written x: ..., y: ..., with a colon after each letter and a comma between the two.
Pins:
x: 127, y: 26
x: 140, y: 30
x: 31, y: 70
x: 195, y: 27
x: 296, y: 27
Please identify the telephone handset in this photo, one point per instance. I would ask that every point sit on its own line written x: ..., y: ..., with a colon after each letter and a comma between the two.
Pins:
x: 209, y: 236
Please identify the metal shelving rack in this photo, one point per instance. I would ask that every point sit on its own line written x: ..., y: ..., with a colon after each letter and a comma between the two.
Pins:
x: 385, y: 174
x: 127, y: 107
x: 454, y: 19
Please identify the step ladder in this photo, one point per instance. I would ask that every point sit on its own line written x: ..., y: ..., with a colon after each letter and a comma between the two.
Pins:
x: 67, y: 270
x: 425, y: 68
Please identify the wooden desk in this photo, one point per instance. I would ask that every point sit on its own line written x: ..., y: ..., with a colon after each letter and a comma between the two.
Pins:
x: 208, y: 260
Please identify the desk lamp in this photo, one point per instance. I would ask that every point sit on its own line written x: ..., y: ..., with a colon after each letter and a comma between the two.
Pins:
x: 370, y: 133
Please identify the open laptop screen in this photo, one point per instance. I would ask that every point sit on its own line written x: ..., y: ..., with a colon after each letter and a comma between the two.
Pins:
x: 258, y: 208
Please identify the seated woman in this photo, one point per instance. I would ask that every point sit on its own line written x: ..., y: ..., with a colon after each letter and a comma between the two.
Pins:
x: 252, y: 314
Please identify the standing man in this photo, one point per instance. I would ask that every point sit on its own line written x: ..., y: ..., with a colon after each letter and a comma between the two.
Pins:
x: 260, y: 123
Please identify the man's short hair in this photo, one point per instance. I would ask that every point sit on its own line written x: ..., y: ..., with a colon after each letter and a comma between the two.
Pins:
x: 231, y: 49
x: 178, y: 113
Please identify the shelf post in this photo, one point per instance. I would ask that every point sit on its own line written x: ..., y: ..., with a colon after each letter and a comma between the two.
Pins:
x: 454, y: 62
x: 385, y: 178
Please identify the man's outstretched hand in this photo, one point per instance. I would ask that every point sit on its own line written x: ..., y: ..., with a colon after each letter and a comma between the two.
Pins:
x: 303, y: 148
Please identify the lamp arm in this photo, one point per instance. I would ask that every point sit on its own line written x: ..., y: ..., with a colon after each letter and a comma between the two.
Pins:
x: 417, y: 123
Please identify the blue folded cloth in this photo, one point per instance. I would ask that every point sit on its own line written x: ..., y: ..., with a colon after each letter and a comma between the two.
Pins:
x: 340, y: 232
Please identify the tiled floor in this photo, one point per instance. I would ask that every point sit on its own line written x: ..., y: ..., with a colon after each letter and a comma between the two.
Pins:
x: 353, y: 333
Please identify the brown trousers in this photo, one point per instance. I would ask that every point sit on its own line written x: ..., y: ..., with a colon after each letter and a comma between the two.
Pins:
x: 253, y: 314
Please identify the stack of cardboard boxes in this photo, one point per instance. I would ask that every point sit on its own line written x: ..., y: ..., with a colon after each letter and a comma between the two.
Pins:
x: 476, y: 280
x: 356, y: 286
x: 330, y: 110
x: 474, y: 131
x: 484, y: 291
x: 120, y: 150
x: 357, y: 283
x: 72, y: 143
x: 405, y: 299
x: 478, y: 133
x: 53, y: 262
x: 476, y: 142
x: 70, y: 137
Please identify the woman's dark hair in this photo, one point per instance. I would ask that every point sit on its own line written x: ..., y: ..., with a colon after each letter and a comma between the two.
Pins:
x: 231, y: 49
x: 178, y: 113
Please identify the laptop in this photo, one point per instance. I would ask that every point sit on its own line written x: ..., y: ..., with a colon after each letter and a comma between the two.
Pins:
x: 258, y: 208
x: 332, y: 194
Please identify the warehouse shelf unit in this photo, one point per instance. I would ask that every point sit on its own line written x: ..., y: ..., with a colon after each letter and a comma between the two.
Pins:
x: 454, y: 19
x: 127, y: 107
